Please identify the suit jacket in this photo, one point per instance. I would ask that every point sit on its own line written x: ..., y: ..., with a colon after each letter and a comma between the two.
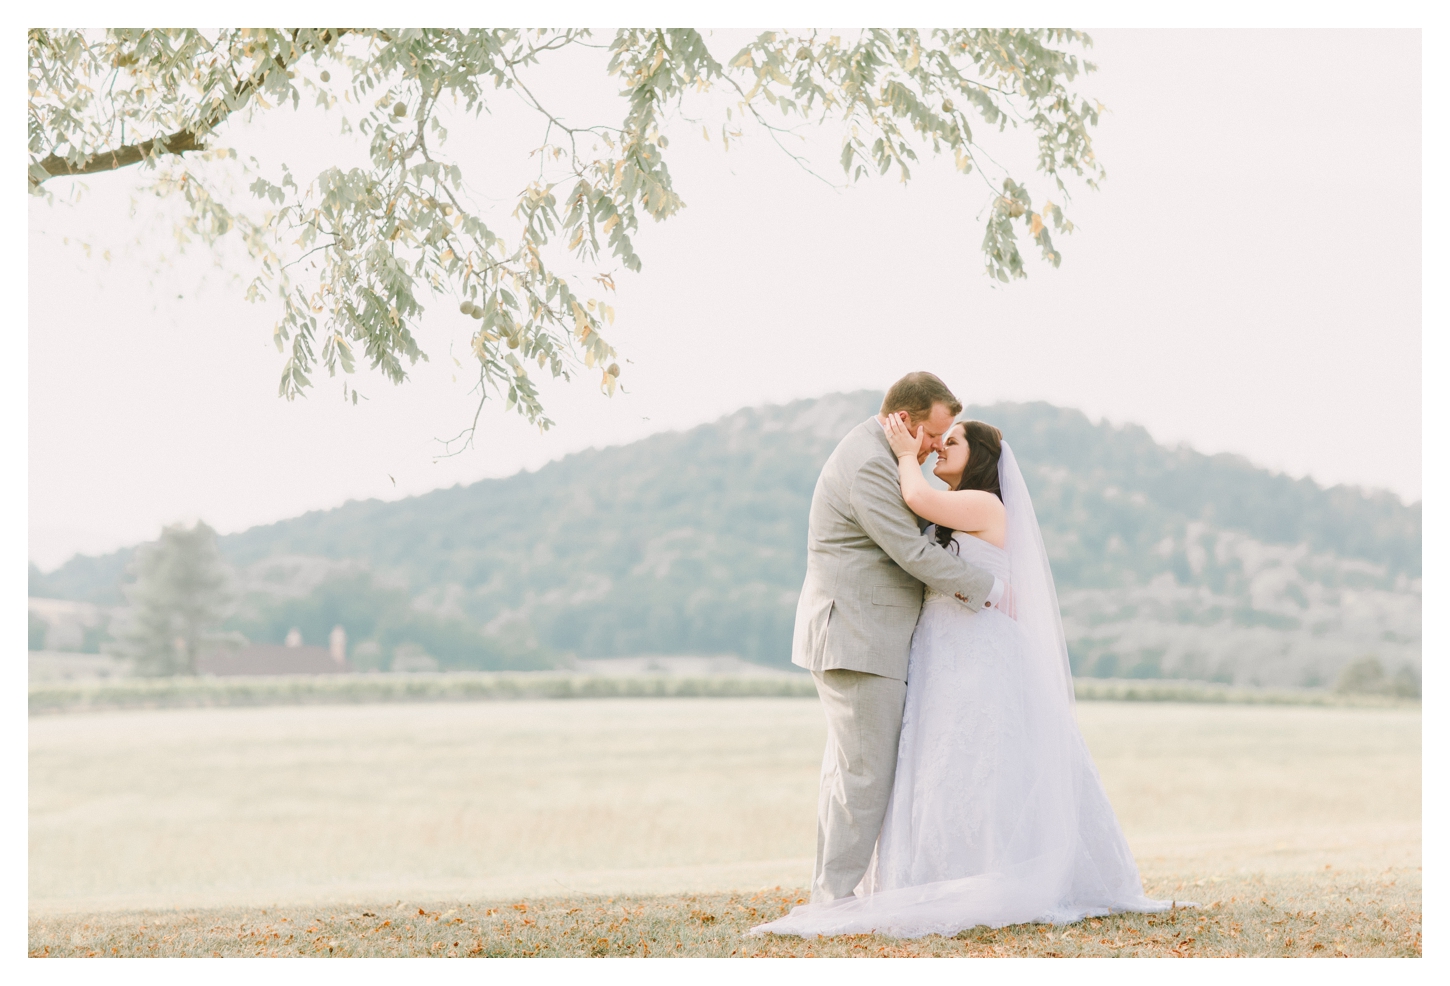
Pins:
x: 866, y: 561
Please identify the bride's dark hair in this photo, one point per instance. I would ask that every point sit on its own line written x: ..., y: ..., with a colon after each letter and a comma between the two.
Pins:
x: 984, y: 448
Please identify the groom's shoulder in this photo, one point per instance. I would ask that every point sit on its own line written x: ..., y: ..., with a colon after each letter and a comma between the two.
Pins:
x: 857, y: 447
x: 864, y: 437
x: 863, y: 442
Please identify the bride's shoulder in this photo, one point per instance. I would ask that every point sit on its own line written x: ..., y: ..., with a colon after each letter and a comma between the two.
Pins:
x: 981, y: 500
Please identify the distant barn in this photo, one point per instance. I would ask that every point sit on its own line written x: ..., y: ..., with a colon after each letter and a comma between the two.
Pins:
x: 233, y: 657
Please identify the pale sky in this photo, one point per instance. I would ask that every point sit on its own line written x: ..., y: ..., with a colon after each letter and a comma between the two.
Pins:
x: 1248, y: 280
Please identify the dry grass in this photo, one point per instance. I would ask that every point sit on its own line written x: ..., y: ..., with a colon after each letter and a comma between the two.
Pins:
x: 204, y: 808
x: 48, y: 698
x: 1180, y: 690
x: 52, y: 697
x: 1325, y: 915
x: 208, y: 827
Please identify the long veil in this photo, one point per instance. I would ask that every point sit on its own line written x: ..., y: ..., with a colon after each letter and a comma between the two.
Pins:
x: 1099, y: 874
x: 1034, y: 594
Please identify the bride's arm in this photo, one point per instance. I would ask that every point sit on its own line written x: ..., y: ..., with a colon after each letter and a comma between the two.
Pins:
x: 961, y: 510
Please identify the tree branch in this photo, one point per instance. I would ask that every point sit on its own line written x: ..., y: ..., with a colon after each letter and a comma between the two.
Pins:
x: 175, y: 143
x: 183, y: 140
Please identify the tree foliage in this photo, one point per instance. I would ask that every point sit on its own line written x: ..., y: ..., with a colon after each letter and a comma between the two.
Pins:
x: 1167, y: 561
x: 36, y: 630
x: 382, y: 240
x: 375, y: 612
x: 1367, y: 676
x: 180, y: 590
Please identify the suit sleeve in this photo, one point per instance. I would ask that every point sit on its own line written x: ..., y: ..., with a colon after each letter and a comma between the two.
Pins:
x: 884, y: 516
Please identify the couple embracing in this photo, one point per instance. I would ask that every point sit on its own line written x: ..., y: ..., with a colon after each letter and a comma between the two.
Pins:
x: 956, y: 789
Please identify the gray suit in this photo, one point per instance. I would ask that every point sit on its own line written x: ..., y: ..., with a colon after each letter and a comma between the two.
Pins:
x: 866, y: 561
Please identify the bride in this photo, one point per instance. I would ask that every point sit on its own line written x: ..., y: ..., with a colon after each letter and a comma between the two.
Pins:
x: 997, y: 815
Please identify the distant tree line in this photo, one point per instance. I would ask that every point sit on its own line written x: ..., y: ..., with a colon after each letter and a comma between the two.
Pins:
x: 695, y: 542
x: 379, y: 619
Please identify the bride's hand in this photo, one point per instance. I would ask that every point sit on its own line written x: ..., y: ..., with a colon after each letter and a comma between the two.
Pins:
x: 903, y: 442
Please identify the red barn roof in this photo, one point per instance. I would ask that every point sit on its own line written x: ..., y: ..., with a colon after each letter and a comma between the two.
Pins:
x: 269, y: 659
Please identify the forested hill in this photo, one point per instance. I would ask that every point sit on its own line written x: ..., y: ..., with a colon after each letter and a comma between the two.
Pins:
x: 694, y: 542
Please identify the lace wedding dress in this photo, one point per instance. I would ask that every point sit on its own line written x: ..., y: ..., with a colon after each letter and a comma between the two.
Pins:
x: 997, y: 814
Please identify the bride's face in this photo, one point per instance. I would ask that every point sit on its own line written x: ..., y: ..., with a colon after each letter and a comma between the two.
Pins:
x: 953, y: 462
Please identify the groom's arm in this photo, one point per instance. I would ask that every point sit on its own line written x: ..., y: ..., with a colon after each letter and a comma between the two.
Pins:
x: 883, y: 515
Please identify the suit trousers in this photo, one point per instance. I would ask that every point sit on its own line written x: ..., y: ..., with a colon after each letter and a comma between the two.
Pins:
x: 863, y: 726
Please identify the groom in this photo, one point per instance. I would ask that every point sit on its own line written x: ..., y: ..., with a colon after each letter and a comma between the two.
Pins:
x: 865, y: 564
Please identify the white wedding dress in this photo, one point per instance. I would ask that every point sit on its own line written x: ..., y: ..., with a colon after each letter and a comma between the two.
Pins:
x: 997, y: 815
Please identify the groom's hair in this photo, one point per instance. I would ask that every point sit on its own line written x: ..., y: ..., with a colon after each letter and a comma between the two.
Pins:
x: 915, y: 394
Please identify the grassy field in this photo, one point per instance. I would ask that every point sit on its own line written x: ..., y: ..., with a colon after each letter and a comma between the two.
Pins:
x: 1321, y: 915
x: 352, y: 689
x: 98, y: 694
x: 631, y: 824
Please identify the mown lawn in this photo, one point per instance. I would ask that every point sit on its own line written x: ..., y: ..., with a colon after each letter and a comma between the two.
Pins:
x: 640, y: 826
x: 215, y: 808
x: 1333, y: 914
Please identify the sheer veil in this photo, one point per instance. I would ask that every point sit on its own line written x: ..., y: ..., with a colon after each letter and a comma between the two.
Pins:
x: 1034, y: 593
